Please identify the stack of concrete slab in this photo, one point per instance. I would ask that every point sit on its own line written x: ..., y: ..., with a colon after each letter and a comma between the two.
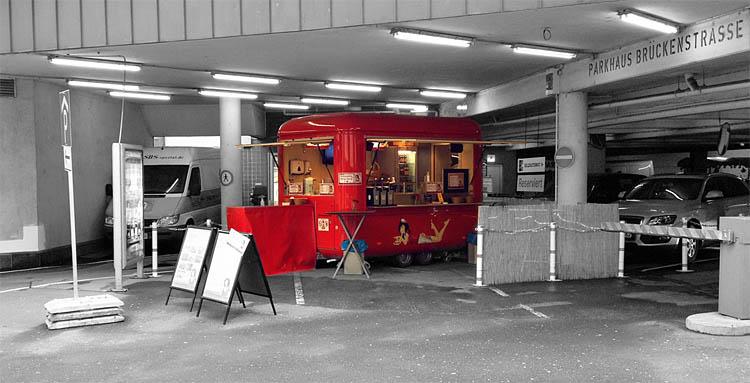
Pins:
x: 83, y: 311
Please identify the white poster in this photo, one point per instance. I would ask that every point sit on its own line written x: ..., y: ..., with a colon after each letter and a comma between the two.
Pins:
x: 530, y: 183
x: 192, y: 254
x: 531, y: 165
x: 225, y: 263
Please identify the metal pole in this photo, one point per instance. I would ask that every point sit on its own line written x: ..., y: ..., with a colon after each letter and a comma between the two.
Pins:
x: 480, y: 246
x: 552, y: 255
x: 621, y: 256
x: 73, y: 243
x: 154, y: 251
x: 683, y: 245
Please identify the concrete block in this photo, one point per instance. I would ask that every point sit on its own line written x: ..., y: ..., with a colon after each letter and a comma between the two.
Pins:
x: 716, y: 324
x: 93, y: 302
x: 84, y: 322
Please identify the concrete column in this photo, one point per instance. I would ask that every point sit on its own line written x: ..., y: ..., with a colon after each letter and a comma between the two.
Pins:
x: 231, y: 157
x: 572, y: 120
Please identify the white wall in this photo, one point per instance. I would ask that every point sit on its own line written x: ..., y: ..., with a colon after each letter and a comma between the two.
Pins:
x: 17, y: 163
x: 34, y: 158
x: 200, y: 120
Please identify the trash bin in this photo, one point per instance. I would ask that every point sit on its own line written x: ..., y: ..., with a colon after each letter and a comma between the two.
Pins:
x: 352, y: 263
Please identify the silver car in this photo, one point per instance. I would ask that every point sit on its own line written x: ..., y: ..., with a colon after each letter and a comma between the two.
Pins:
x: 694, y: 201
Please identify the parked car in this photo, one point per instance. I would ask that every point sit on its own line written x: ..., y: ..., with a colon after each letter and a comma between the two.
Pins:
x: 698, y: 200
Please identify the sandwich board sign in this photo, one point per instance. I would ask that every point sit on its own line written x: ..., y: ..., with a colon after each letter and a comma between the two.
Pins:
x: 235, y: 268
x: 191, y: 261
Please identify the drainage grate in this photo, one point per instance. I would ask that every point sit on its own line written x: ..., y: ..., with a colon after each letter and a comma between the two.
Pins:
x: 7, y: 87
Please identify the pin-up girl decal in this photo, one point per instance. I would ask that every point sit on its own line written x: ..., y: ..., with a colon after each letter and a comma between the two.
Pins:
x: 403, y: 233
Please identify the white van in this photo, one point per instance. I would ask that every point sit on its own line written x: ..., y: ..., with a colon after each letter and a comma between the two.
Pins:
x: 180, y: 187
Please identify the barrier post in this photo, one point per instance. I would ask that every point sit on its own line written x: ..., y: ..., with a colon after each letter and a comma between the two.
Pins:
x: 480, y: 246
x: 552, y: 251
x: 683, y: 245
x: 208, y: 222
x: 154, y: 251
x: 621, y: 255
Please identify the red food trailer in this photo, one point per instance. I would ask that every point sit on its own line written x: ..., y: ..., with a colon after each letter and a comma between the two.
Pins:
x: 419, y: 177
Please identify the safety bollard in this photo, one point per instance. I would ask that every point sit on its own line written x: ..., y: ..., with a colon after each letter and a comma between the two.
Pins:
x: 552, y: 252
x: 621, y: 256
x: 683, y: 245
x: 154, y: 251
x: 480, y: 246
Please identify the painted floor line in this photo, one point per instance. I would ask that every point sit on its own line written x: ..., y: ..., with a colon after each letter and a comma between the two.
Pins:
x: 499, y: 292
x: 677, y: 265
x: 529, y: 309
x: 299, y: 294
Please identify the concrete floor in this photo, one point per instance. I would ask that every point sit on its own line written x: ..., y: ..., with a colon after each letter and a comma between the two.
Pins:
x: 421, y: 324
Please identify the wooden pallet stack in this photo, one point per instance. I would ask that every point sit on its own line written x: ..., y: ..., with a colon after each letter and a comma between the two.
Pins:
x: 83, y: 311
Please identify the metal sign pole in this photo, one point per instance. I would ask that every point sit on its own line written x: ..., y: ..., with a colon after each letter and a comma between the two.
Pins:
x: 66, y: 130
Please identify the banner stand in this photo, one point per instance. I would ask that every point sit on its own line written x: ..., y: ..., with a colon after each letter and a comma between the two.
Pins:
x: 191, y: 262
x: 235, y: 268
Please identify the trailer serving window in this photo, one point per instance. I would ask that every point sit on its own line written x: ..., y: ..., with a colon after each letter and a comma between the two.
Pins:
x: 414, y: 172
x: 308, y: 168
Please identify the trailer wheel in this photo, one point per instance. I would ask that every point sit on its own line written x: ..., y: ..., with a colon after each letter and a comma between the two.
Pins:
x: 423, y: 258
x: 403, y: 260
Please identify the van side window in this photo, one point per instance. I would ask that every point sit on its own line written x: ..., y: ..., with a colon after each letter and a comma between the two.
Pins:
x: 195, y: 181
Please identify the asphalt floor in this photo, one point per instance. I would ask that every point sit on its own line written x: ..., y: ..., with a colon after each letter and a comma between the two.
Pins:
x: 418, y: 324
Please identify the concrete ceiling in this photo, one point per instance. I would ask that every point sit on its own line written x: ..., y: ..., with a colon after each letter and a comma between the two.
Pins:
x: 370, y: 54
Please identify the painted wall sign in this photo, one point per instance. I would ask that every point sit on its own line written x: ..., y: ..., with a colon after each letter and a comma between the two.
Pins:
x: 719, y: 37
x: 350, y: 178
x: 531, y: 165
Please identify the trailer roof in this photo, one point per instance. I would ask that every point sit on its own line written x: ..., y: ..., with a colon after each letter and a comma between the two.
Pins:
x: 380, y: 125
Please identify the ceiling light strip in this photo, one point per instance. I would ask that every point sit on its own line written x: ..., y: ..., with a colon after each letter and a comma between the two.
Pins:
x: 227, y: 94
x: 543, y: 51
x: 353, y: 87
x: 103, y: 85
x: 431, y: 38
x: 644, y: 20
x: 442, y: 94
x: 412, y: 107
x: 141, y: 95
x: 324, y: 101
x: 94, y: 64
x: 276, y: 105
x: 246, y: 78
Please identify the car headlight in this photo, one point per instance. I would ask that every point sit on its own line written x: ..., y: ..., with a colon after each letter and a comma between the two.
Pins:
x: 109, y: 221
x: 168, y: 220
x: 662, y: 220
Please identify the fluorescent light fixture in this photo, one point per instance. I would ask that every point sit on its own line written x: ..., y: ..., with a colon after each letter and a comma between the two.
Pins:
x: 413, y: 107
x: 462, y: 107
x: 141, y: 95
x: 246, y: 78
x: 94, y: 64
x: 275, y: 105
x: 431, y: 37
x: 442, y: 94
x: 324, y: 101
x: 103, y: 85
x: 645, y: 20
x: 718, y: 158
x: 353, y: 87
x: 543, y: 51
x: 227, y: 93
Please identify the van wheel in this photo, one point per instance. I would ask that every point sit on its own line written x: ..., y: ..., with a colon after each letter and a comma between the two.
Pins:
x: 423, y: 258
x: 403, y: 260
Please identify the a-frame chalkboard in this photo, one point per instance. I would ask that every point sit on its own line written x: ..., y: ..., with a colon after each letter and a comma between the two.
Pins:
x: 235, y: 268
x: 191, y: 263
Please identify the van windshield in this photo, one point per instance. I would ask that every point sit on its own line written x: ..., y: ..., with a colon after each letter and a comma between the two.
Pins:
x: 164, y: 179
